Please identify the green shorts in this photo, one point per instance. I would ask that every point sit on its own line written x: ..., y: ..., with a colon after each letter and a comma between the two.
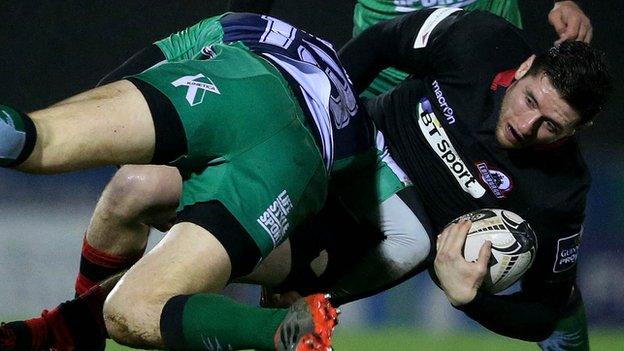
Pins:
x: 248, y: 145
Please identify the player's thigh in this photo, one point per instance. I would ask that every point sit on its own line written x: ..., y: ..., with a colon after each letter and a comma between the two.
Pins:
x: 147, y: 194
x: 107, y: 125
x: 189, y: 259
x: 570, y: 333
x: 137, y: 195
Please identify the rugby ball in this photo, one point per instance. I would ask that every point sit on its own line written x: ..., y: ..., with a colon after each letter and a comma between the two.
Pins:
x: 514, y: 246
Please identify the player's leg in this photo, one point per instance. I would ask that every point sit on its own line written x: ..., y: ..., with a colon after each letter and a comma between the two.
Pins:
x: 109, y: 125
x: 167, y: 310
x: 236, y: 207
x: 281, y: 187
x: 74, y: 325
x: 188, y: 260
x: 136, y: 198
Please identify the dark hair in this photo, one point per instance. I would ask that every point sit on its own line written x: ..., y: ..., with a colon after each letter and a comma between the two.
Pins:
x: 580, y: 75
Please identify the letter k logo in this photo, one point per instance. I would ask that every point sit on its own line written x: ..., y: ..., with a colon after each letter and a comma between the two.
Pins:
x: 196, y: 83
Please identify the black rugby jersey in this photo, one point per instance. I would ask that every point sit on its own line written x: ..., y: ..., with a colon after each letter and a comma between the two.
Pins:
x: 440, y: 124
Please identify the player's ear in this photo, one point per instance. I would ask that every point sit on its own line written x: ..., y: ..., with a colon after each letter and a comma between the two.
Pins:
x: 524, y: 67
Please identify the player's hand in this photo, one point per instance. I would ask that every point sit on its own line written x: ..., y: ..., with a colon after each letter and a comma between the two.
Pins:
x: 459, y: 278
x: 570, y: 22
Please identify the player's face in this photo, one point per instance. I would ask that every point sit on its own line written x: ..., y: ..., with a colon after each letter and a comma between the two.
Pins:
x: 533, y: 112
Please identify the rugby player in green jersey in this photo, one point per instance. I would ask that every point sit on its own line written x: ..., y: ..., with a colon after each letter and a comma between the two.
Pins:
x: 260, y: 120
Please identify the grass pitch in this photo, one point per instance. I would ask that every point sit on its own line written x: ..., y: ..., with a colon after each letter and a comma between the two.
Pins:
x: 414, y: 340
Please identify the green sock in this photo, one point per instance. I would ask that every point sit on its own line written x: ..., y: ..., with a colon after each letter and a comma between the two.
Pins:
x: 215, y: 322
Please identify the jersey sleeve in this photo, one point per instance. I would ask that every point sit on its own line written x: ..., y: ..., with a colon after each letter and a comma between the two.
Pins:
x: 436, y: 43
x: 188, y: 43
x: 405, y: 42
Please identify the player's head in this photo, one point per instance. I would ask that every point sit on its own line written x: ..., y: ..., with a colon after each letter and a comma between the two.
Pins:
x: 554, y: 94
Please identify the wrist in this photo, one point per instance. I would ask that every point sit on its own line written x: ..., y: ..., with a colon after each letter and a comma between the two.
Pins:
x: 474, y: 301
x: 458, y: 300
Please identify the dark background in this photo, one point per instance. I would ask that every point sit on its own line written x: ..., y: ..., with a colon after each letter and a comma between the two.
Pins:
x: 50, y: 50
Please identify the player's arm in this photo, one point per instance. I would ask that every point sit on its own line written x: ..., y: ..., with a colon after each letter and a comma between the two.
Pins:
x: 570, y: 22
x: 530, y: 314
x: 406, y: 42
x: 522, y: 315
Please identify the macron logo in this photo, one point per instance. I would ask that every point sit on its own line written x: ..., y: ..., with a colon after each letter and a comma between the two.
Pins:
x: 197, y: 87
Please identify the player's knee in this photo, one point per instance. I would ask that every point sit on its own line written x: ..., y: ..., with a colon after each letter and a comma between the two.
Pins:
x: 17, y: 137
x: 407, y: 246
x: 135, y: 190
x: 132, y: 320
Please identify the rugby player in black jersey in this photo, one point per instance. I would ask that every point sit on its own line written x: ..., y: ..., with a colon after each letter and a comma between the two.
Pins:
x: 482, y: 122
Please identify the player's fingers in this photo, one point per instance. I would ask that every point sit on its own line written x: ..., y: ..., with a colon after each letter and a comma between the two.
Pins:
x: 556, y: 20
x: 589, y: 35
x: 457, y: 238
x: 442, y: 237
x: 584, y: 31
x: 572, y: 29
x: 484, y: 255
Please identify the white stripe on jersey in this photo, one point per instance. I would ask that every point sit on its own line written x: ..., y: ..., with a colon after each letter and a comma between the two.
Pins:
x: 323, y: 125
x: 316, y: 89
x: 387, y: 159
x: 431, y: 22
x: 278, y: 33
